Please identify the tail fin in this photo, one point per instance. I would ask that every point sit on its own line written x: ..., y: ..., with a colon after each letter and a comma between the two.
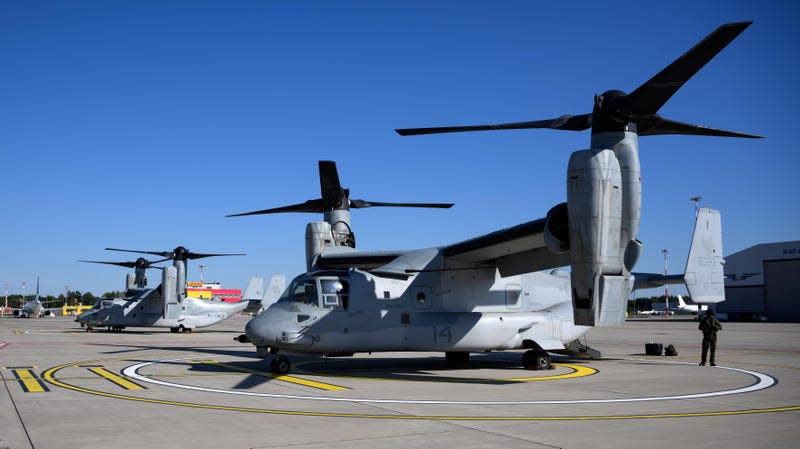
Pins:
x: 253, y: 293
x: 258, y: 297
x: 681, y: 302
x: 277, y: 284
x: 255, y: 289
x: 37, y: 289
x: 704, y: 277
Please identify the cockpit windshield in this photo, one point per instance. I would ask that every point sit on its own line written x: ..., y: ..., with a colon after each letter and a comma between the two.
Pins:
x: 335, y: 291
x: 302, y: 289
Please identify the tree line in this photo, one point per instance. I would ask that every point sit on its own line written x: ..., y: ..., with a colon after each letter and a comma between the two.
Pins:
x: 71, y: 298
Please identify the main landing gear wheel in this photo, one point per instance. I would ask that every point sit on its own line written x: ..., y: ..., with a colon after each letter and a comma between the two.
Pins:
x: 280, y: 365
x: 457, y: 358
x: 536, y: 360
x: 174, y: 330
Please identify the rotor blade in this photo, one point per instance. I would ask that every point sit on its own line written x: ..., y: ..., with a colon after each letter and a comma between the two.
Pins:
x: 129, y: 264
x: 167, y: 254
x: 658, y: 126
x: 361, y: 204
x: 191, y: 255
x: 650, y: 96
x: 317, y: 205
x: 121, y: 264
x: 565, y: 122
x: 329, y: 185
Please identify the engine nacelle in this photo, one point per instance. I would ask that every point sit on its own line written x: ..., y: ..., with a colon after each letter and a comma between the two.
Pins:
x: 319, y: 236
x: 594, y: 208
x: 556, y: 229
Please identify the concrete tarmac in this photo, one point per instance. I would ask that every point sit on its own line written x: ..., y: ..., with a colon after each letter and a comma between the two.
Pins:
x: 66, y: 388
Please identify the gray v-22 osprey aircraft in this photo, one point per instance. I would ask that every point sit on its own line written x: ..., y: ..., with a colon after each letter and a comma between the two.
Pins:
x: 503, y: 290
x: 167, y: 305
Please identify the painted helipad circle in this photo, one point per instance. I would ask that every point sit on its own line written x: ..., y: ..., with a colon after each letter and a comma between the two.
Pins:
x: 761, y: 381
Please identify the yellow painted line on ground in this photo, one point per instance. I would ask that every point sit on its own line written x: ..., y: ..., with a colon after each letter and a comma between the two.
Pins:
x: 578, y: 371
x: 280, y: 377
x: 116, y: 379
x: 49, y: 376
x: 30, y: 383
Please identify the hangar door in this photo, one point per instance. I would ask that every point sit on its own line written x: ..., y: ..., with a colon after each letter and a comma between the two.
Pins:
x: 782, y: 289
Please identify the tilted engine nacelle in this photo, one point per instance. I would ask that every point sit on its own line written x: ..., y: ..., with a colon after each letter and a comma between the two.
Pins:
x: 319, y: 236
x: 594, y: 210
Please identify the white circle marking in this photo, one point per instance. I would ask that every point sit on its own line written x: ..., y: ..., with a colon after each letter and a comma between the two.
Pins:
x: 763, y: 381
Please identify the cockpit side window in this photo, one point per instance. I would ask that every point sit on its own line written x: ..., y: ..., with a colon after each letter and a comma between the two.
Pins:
x: 335, y: 293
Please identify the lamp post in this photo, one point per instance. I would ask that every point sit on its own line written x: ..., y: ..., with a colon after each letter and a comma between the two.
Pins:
x: 201, y: 280
x: 665, y: 251
x: 696, y: 201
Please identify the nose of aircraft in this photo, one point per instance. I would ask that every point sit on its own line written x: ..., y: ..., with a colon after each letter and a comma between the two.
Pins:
x: 257, y: 330
x: 85, y: 316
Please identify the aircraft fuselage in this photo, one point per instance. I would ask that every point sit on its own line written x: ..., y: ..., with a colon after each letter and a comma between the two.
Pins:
x: 464, y: 310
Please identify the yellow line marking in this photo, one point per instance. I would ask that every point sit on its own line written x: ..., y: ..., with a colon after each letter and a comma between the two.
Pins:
x: 121, y: 381
x: 281, y: 377
x: 49, y: 375
x: 578, y: 371
x: 29, y: 382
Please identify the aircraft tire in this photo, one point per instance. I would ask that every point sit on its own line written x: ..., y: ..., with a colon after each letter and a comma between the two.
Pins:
x: 457, y: 358
x: 174, y: 330
x: 280, y: 365
x: 536, y: 360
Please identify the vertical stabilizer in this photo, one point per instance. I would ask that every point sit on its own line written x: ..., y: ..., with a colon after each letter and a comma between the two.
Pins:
x: 255, y: 289
x: 277, y: 284
x: 705, y: 278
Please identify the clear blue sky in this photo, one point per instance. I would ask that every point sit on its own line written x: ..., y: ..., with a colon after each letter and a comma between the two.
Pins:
x: 141, y: 124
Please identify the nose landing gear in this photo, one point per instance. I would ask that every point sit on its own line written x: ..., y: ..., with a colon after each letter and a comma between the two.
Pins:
x: 280, y: 365
x: 536, y: 360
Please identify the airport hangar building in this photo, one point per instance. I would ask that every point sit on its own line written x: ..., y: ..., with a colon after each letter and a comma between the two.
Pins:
x: 763, y: 281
